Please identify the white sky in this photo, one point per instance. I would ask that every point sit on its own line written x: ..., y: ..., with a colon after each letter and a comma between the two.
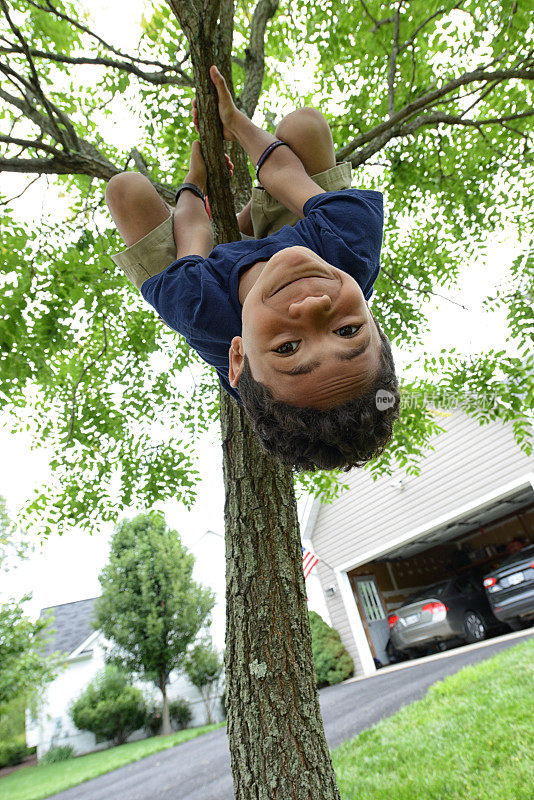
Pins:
x: 64, y: 569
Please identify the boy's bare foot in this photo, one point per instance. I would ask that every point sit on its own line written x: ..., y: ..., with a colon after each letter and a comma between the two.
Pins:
x: 227, y: 108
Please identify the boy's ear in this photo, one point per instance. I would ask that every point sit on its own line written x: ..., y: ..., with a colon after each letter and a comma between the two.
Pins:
x: 235, y: 357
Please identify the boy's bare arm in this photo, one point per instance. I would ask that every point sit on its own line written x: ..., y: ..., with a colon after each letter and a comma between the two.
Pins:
x: 282, y: 174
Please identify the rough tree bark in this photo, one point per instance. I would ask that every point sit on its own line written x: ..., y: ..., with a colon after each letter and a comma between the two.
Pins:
x: 277, y: 742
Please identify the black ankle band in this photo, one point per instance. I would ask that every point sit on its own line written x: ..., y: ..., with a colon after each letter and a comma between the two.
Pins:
x: 266, y: 153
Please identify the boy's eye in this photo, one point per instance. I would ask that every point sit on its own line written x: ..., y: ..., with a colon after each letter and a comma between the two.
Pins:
x: 287, y: 347
x: 348, y: 330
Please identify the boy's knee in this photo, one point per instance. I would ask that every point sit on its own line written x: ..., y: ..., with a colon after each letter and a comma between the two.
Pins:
x: 308, y: 134
x: 304, y: 121
x: 126, y: 188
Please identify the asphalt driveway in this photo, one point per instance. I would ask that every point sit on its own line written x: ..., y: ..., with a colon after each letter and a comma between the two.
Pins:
x: 200, y: 769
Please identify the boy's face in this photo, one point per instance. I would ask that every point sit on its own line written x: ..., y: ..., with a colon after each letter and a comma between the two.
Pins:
x: 307, y: 332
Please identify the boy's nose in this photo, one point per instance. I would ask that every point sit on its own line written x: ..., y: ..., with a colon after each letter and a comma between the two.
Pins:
x: 314, y: 306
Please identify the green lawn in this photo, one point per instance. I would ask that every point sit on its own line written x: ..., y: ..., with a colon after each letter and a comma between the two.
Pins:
x: 34, y: 783
x: 470, y: 738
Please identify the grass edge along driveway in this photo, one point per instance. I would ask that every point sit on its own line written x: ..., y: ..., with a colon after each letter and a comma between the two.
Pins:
x: 38, y: 782
x: 471, y: 737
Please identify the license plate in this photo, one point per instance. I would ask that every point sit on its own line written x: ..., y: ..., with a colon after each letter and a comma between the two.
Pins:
x: 411, y: 619
x: 517, y: 577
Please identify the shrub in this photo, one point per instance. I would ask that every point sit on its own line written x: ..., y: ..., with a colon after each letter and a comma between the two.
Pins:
x: 152, y: 723
x: 180, y: 713
x: 332, y: 662
x: 12, y: 753
x: 55, y: 754
x: 12, y: 719
x: 110, y: 707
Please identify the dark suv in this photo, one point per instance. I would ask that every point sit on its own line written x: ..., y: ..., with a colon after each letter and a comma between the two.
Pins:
x: 510, y: 589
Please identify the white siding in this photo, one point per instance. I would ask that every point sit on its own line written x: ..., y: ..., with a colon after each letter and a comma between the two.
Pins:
x: 53, y: 725
x: 469, y: 461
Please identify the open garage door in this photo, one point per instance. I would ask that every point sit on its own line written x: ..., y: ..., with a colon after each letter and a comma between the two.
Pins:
x: 373, y: 613
x: 462, y: 552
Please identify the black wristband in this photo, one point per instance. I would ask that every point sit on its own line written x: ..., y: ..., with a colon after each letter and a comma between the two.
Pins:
x: 192, y: 188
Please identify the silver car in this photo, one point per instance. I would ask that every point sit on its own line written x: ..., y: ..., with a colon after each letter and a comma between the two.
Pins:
x: 453, y: 609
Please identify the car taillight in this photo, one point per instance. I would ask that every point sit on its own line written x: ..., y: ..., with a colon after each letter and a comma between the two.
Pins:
x: 434, y: 607
x: 393, y: 619
x: 489, y: 582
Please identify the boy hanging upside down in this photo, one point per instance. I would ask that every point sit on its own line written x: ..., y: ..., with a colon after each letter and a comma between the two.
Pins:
x: 282, y: 317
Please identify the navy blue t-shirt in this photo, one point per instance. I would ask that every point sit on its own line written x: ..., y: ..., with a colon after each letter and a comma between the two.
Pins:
x: 198, y: 297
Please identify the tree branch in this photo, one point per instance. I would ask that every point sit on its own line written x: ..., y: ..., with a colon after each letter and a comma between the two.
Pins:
x: 225, y: 30
x: 64, y: 164
x: 377, y: 22
x: 409, y: 42
x: 382, y: 133
x: 393, y: 61
x: 68, y: 137
x: 29, y: 143
x: 453, y: 119
x: 74, y: 404
x: 139, y: 162
x: 16, y: 197
x: 255, y: 55
x: 51, y: 9
x: 158, y: 78
x: 29, y: 111
x: 420, y: 290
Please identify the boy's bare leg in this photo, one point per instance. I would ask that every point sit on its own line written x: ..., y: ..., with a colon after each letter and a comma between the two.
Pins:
x: 135, y: 206
x: 308, y: 134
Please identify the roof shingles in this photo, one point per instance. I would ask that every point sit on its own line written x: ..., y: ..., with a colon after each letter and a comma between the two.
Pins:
x: 72, y: 623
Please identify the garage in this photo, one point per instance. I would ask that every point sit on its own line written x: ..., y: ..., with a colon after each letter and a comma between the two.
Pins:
x: 466, y: 548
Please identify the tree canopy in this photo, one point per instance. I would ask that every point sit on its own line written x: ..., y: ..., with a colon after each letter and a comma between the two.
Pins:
x: 430, y: 102
x: 24, y: 670
x: 151, y: 609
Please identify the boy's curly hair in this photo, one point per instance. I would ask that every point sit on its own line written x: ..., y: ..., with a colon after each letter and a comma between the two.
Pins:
x: 344, y: 436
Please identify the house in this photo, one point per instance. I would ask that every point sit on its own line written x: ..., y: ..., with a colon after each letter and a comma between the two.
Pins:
x: 379, y: 541
x: 83, y: 649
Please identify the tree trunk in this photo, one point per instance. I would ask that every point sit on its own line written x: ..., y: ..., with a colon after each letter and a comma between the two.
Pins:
x: 277, y: 742
x: 206, y: 699
x: 165, y: 718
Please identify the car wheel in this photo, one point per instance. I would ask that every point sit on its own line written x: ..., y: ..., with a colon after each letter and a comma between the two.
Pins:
x: 474, y: 627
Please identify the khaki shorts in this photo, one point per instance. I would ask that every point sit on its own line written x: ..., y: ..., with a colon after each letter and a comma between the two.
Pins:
x: 155, y: 251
